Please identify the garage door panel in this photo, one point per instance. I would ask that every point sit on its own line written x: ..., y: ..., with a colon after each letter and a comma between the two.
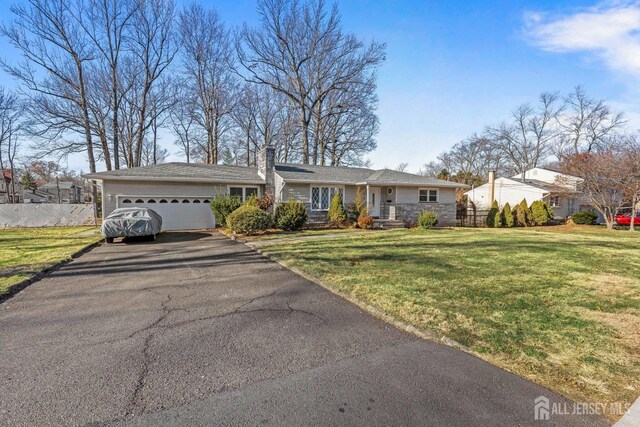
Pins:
x: 178, y: 213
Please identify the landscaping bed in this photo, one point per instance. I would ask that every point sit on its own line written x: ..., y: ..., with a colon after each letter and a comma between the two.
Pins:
x: 557, y: 305
x: 25, y: 252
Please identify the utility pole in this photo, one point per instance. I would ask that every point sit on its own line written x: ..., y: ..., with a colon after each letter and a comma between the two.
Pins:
x: 492, y: 187
x: 58, y: 187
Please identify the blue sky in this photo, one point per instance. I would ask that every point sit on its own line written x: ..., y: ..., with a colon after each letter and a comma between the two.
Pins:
x: 455, y: 66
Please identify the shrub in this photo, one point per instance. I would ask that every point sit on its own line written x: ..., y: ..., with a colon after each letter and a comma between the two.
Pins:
x: 584, y: 217
x: 358, y: 207
x: 290, y: 215
x: 539, y: 213
x: 427, y: 219
x: 365, y: 222
x: 549, y: 210
x: 248, y: 219
x: 507, y: 214
x: 523, y: 214
x: 498, y: 221
x: 491, y: 216
x: 337, y: 214
x: 222, y: 205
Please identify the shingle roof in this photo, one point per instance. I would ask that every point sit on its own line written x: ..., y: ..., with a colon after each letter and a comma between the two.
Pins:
x: 289, y: 172
x: 388, y: 176
x: 326, y: 174
x: 63, y: 185
x: 183, y: 172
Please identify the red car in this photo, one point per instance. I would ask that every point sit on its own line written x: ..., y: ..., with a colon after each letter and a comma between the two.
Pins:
x: 625, y: 219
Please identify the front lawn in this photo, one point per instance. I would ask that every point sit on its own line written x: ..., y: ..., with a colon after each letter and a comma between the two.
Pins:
x: 26, y: 251
x: 559, y: 306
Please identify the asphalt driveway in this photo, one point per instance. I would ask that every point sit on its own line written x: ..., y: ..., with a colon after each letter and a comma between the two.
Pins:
x: 196, y: 329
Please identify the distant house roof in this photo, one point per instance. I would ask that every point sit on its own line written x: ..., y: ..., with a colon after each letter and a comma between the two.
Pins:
x: 63, y: 185
x: 289, y: 172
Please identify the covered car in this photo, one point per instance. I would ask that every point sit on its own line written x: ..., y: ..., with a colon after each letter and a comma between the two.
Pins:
x: 131, y: 222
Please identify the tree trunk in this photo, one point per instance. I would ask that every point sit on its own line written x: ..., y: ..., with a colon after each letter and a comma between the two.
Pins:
x: 105, y: 148
x: 114, y: 122
x: 305, y: 138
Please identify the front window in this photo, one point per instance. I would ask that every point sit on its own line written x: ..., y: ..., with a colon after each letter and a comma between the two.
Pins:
x: 243, y: 192
x: 428, y: 195
x: 554, y: 201
x: 321, y: 197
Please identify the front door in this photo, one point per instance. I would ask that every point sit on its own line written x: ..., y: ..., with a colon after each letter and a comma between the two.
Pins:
x: 374, y: 202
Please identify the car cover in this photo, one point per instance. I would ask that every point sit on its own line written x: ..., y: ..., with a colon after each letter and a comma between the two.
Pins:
x: 130, y: 222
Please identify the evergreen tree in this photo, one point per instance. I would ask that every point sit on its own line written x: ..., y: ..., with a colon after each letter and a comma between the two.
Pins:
x: 336, y: 213
x: 28, y: 181
x: 508, y: 216
x: 491, y: 216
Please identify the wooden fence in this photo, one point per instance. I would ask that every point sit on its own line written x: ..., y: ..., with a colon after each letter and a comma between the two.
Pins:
x: 46, y: 215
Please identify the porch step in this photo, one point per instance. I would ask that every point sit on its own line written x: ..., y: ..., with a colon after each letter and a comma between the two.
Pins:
x: 388, y: 224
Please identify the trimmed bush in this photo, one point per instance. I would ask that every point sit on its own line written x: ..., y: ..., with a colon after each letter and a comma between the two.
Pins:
x: 365, y: 222
x: 523, y: 214
x: 539, y: 213
x: 358, y: 207
x: 290, y: 215
x: 427, y: 219
x: 222, y: 205
x: 498, y: 221
x: 491, y: 216
x: 248, y: 219
x: 507, y: 214
x: 337, y: 214
x: 584, y: 217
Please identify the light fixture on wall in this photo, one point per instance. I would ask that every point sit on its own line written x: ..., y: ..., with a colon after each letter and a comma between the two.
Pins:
x: 109, y: 197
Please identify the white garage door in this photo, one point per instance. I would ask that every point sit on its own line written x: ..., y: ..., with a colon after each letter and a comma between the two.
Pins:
x: 178, y: 213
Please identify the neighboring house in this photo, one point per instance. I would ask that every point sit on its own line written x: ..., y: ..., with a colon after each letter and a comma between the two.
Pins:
x: 181, y: 192
x: 63, y: 191
x: 7, y: 194
x: 560, y: 190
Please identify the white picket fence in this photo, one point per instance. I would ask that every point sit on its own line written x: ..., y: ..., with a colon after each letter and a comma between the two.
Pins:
x: 45, y: 215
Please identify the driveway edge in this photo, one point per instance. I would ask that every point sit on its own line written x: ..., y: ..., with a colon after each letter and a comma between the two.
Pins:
x: 17, y: 287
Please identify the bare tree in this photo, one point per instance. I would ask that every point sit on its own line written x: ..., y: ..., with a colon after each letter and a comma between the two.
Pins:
x: 526, y: 139
x: 586, y: 123
x: 302, y: 52
x: 207, y: 56
x: 106, y: 23
x: 10, y: 111
x: 604, y: 181
x: 183, y: 122
x: 154, y: 46
x: 55, y: 55
x: 470, y: 160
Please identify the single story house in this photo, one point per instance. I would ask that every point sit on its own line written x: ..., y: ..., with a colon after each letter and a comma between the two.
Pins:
x: 561, y: 191
x: 181, y: 192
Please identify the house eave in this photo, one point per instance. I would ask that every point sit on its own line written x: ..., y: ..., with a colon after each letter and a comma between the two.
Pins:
x: 98, y: 177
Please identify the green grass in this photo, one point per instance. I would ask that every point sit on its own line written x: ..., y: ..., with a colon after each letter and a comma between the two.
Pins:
x: 557, y: 305
x: 26, y: 251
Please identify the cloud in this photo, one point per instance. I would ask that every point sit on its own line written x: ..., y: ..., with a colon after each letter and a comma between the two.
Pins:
x: 609, y: 31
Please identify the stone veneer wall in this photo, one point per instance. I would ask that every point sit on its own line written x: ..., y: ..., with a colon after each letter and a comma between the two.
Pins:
x: 408, y: 212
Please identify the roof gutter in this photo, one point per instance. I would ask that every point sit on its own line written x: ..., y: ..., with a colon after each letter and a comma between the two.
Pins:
x: 170, y: 179
x: 413, y: 184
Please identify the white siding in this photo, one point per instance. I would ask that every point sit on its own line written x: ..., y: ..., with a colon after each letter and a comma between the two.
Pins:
x: 506, y: 191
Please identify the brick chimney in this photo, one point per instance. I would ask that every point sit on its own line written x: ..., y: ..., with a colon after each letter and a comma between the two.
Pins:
x: 267, y: 169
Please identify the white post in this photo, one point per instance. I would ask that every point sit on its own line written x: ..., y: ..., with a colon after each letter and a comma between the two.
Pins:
x: 368, y: 205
